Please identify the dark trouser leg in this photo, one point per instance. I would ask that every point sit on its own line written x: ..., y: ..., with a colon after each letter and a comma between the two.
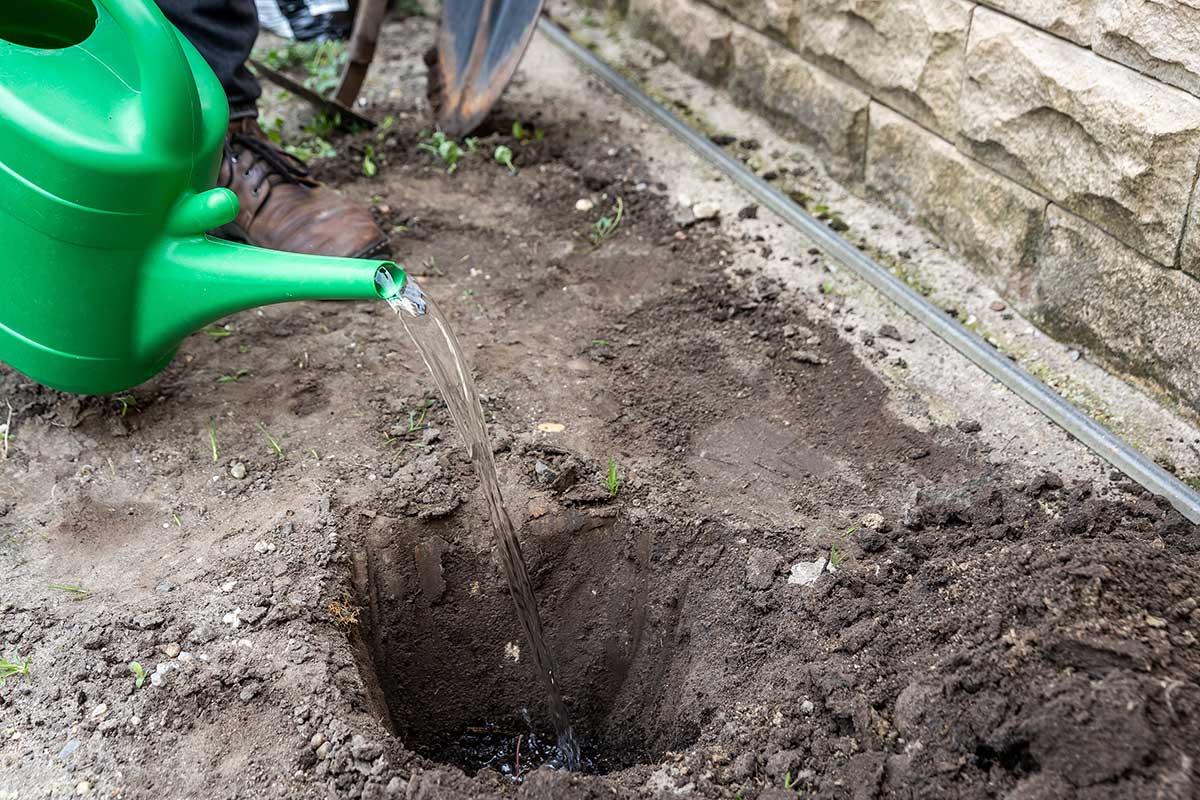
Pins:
x: 224, y: 32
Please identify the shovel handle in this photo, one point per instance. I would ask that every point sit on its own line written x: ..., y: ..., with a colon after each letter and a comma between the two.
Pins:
x: 169, y: 101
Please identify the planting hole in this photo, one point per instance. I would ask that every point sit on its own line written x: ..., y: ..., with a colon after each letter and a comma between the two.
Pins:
x: 444, y: 662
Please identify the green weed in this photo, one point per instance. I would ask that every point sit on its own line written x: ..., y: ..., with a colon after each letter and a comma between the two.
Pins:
x: 78, y: 591
x: 212, y: 439
x: 368, y: 163
x: 612, y: 480
x: 13, y: 668
x: 444, y: 148
x: 139, y: 674
x: 504, y: 155
x: 236, y: 376
x: 271, y: 440
x: 126, y: 401
x: 323, y: 61
x: 217, y: 332
x: 607, y: 225
x: 836, y: 557
x: 523, y: 134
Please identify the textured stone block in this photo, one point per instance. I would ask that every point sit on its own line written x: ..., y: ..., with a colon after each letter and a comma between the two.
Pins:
x: 1070, y: 19
x: 979, y: 214
x: 1090, y: 289
x: 908, y: 53
x: 694, y: 36
x: 1108, y: 143
x: 1158, y: 37
x: 773, y: 17
x: 805, y: 104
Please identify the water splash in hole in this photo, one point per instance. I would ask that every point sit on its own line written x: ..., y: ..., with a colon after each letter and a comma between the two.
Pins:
x: 431, y: 334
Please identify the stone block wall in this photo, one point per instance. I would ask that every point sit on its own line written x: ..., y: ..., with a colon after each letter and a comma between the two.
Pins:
x: 1054, y: 144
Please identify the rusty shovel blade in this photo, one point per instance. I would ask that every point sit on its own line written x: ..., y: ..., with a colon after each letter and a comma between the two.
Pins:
x: 479, y: 46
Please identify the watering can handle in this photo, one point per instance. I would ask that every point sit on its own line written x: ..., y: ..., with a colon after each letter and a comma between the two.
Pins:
x: 169, y: 102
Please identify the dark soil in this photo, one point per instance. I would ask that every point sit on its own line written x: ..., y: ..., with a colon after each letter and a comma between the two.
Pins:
x: 981, y: 633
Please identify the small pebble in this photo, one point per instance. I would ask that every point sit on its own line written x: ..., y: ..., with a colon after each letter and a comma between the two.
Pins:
x: 264, y: 546
x: 706, y: 211
x: 997, y: 305
x: 323, y: 751
x: 583, y: 204
x: 99, y: 711
x: 237, y: 470
x: 172, y: 649
x: 316, y: 741
x: 83, y: 787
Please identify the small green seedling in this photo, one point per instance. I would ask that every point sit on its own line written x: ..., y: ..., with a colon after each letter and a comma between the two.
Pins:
x: 836, y: 557
x: 139, y: 674
x: 384, y: 127
x: 444, y: 148
x: 612, y: 481
x: 236, y: 376
x: 13, y: 668
x: 504, y: 155
x: 368, y: 163
x: 78, y: 591
x: 127, y: 401
x: 790, y: 783
x: 217, y: 332
x: 416, y: 423
x: 606, y: 226
x: 472, y: 144
x: 600, y: 343
x: 212, y: 439
x: 271, y: 440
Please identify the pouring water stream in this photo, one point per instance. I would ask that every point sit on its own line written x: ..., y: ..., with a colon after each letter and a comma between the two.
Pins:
x: 431, y: 334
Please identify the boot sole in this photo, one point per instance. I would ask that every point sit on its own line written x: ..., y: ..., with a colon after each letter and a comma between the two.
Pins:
x: 381, y: 248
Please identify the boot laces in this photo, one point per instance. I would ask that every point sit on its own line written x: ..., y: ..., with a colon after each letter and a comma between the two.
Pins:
x: 283, y: 166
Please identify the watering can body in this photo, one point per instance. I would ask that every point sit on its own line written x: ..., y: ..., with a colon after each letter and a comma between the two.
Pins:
x: 111, y: 135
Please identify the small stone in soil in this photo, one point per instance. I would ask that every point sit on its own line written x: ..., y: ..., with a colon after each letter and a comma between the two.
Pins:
x: 545, y: 475
x: 706, y: 211
x: 748, y: 212
x: 997, y: 305
x: 805, y: 573
x: 583, y: 204
x: 889, y: 332
x: 968, y: 426
x: 237, y: 470
x: 761, y: 566
x: 807, y: 357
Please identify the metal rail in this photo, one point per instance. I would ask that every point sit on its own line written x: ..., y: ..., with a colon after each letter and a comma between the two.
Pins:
x: 1095, y: 436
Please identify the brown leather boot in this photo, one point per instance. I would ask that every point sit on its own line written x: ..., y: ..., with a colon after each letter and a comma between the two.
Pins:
x: 282, y: 208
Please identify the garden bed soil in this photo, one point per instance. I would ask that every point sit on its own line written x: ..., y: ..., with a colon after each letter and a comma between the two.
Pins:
x: 793, y: 591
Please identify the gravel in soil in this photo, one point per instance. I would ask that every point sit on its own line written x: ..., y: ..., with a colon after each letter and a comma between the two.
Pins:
x: 792, y: 590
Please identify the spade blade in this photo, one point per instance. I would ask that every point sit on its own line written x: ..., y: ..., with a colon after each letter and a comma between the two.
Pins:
x: 480, y: 44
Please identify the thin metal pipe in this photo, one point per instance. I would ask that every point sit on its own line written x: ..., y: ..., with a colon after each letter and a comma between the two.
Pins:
x: 1095, y: 436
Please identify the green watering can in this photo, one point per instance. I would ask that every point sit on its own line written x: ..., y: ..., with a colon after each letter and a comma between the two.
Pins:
x: 111, y: 135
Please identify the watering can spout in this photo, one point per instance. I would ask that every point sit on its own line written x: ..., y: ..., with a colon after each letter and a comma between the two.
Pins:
x: 191, y: 281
